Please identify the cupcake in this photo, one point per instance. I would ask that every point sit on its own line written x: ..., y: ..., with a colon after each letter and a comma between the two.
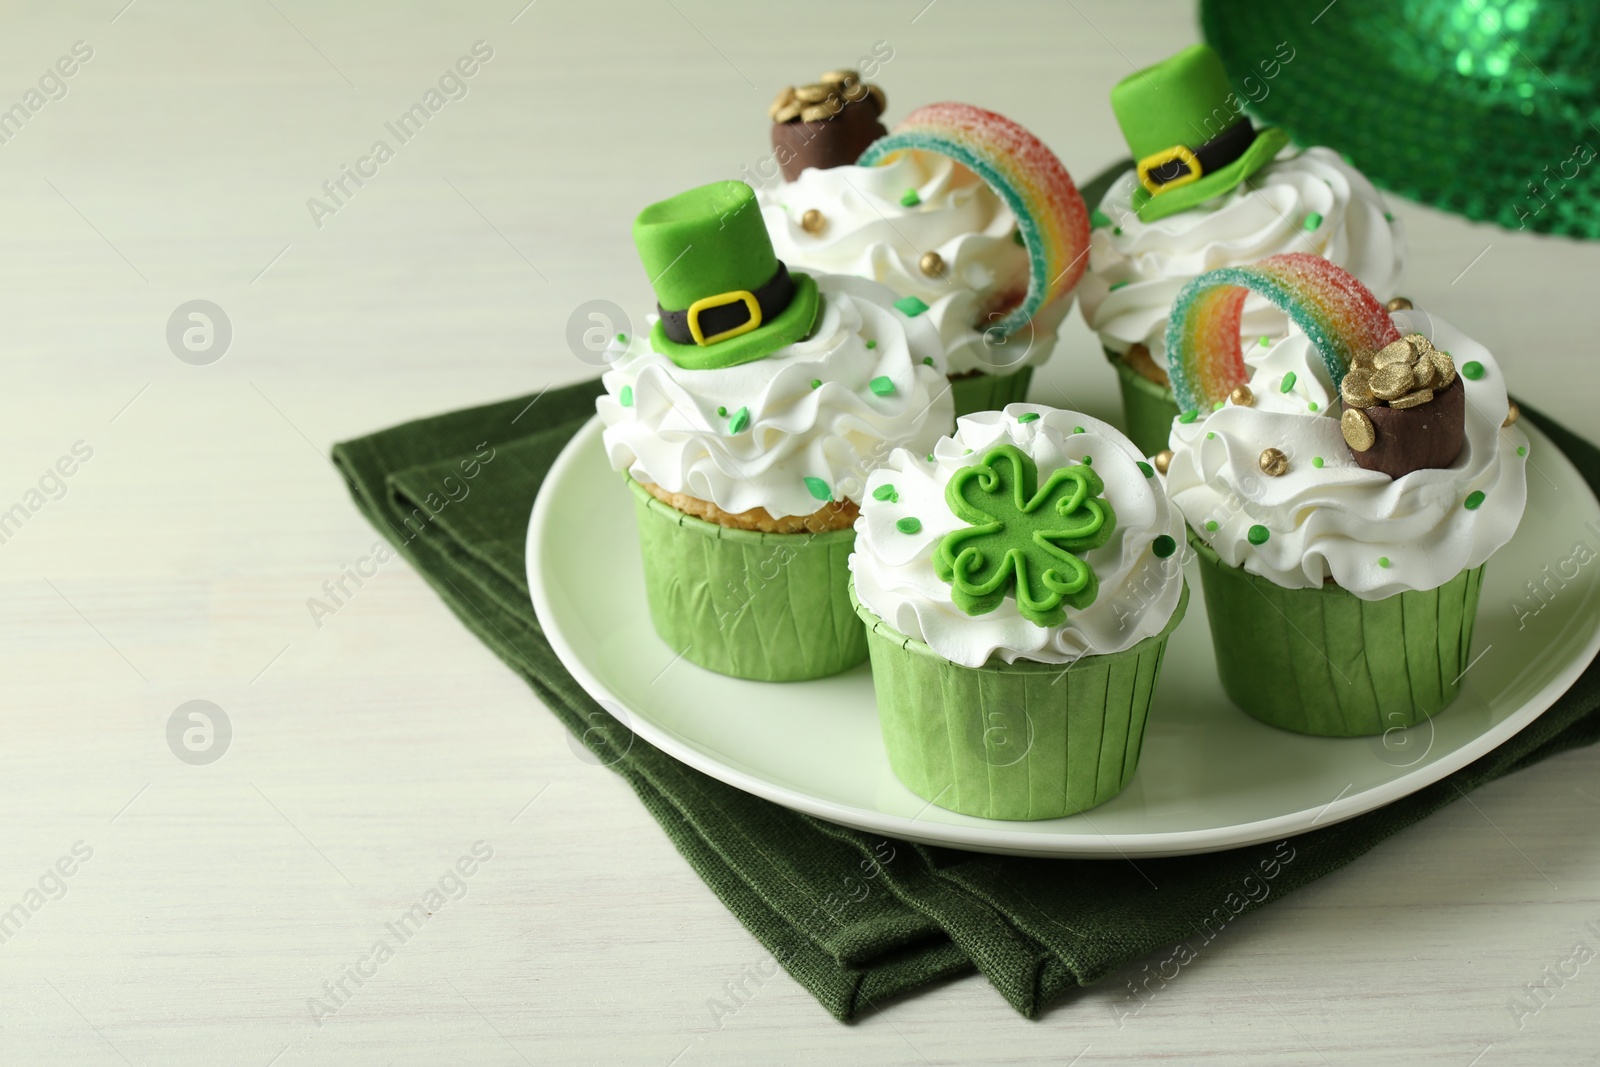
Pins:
x: 745, y: 426
x: 1019, y: 585
x: 1158, y: 227
x: 960, y: 211
x: 1343, y: 490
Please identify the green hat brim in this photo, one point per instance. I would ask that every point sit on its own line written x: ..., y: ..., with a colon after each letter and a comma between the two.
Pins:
x: 1268, y: 143
x: 792, y: 324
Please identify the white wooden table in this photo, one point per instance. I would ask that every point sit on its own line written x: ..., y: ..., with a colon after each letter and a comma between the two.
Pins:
x: 207, y: 905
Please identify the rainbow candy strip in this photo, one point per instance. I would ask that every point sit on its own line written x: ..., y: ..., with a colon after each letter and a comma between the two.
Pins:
x: 1050, y: 214
x: 1339, y: 314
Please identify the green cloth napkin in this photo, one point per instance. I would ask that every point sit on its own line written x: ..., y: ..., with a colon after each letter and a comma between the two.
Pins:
x: 855, y: 918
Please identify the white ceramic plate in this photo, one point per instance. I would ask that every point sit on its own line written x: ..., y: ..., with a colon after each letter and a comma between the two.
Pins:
x: 1209, y: 777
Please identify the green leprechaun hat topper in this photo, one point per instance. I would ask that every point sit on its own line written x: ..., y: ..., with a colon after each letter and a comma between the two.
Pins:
x: 724, y: 296
x: 1181, y: 119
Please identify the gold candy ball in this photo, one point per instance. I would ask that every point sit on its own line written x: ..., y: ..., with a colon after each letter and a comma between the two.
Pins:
x: 1163, y: 460
x: 813, y: 221
x: 1273, y: 462
x: 1242, y: 396
x: 931, y: 264
x: 1512, y: 414
x: 1399, y: 303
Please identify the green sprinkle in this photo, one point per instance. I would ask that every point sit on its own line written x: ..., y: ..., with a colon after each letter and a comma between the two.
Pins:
x: 1146, y: 470
x: 968, y: 452
x: 871, y: 343
x: 908, y: 525
x: 1312, y: 405
x: 1016, y: 235
x: 740, y: 420
x: 1088, y: 461
x: 1219, y: 405
x: 1028, y: 416
x: 884, y: 492
x: 1522, y: 450
x: 1472, y: 370
x: 1164, y: 546
x: 1383, y: 561
x: 1189, y: 416
x: 622, y: 338
x: 1117, y: 230
x: 1258, y: 534
x: 1098, y: 218
x: 1210, y: 436
x: 909, y: 198
x: 819, y: 488
x: 881, y: 385
x: 1117, y: 285
x: 1079, y: 429
x: 1313, y: 220
x: 1316, y: 461
x: 1288, y: 382
x: 927, y: 361
x: 910, y: 306
x: 722, y: 411
x: 1211, y: 525
x: 1265, y: 341
x: 930, y: 457
x: 1387, y: 217
x: 1474, y: 498
x: 625, y: 398
x: 816, y: 383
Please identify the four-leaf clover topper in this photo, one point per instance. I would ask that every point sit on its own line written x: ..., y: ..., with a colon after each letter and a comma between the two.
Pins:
x: 1023, y: 539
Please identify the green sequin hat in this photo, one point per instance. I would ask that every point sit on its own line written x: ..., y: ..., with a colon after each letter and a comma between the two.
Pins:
x: 1480, y: 107
x: 1190, y: 140
x: 723, y: 295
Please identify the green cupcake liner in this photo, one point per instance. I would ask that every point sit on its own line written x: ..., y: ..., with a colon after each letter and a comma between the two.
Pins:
x: 1148, y: 409
x: 989, y: 392
x: 768, y: 607
x: 1325, y: 662
x: 1013, y: 741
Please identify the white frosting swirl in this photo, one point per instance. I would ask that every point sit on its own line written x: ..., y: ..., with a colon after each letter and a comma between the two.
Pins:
x: 1339, y: 520
x: 871, y: 234
x: 669, y: 431
x: 1147, y: 263
x: 894, y: 574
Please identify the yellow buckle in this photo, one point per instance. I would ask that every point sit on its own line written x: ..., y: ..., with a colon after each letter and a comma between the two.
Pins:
x: 723, y: 300
x: 1161, y: 159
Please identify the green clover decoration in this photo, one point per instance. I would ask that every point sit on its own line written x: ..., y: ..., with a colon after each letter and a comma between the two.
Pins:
x: 1023, y: 539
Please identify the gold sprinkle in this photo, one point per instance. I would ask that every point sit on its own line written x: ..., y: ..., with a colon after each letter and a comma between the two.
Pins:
x: 784, y: 98
x: 813, y: 221
x: 1356, y: 389
x: 1513, y: 413
x: 1394, y: 352
x: 1357, y: 429
x: 1399, y: 303
x: 1393, y: 381
x: 931, y: 264
x: 1273, y: 462
x: 812, y: 94
x: 1242, y: 396
x: 1163, y: 460
x: 1411, y: 400
x: 1444, y: 365
x: 1426, y: 373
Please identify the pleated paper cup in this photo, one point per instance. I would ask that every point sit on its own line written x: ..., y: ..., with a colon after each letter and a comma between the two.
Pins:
x: 989, y: 392
x: 1147, y: 408
x: 763, y: 606
x: 1325, y: 662
x: 1013, y: 741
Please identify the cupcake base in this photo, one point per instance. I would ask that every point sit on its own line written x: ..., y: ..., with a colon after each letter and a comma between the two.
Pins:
x: 1013, y: 741
x: 1148, y: 408
x: 1325, y: 662
x: 764, y: 606
x: 989, y: 392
